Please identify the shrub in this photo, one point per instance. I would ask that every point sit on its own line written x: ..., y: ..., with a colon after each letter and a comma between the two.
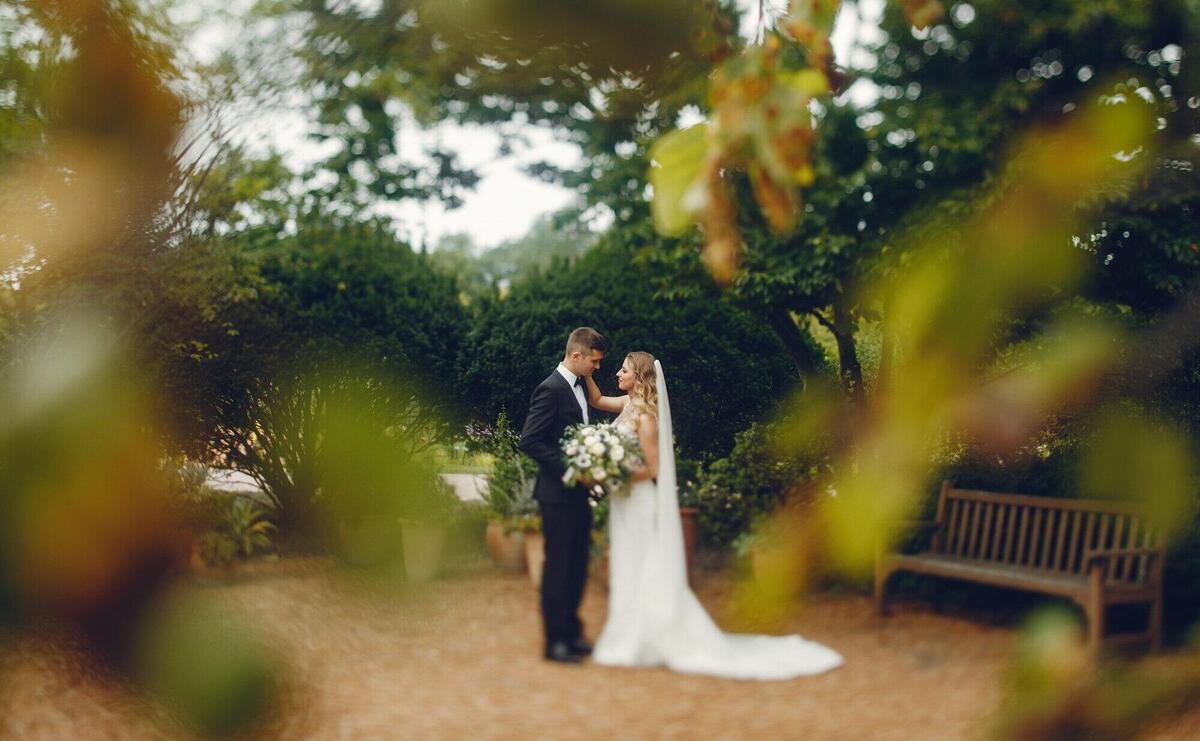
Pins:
x: 193, y: 505
x: 248, y: 526
x: 751, y: 482
x: 266, y: 338
x: 216, y: 549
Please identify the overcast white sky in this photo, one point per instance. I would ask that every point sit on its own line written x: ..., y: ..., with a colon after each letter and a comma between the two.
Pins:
x: 506, y: 202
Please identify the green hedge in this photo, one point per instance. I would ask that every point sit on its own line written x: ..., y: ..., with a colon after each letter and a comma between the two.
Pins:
x: 725, y: 369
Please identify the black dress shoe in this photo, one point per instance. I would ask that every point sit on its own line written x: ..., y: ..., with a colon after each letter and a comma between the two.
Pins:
x: 562, y: 652
x: 580, y: 646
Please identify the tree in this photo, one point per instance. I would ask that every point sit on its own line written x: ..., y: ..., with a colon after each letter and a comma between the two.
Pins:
x: 608, y: 75
x: 923, y: 153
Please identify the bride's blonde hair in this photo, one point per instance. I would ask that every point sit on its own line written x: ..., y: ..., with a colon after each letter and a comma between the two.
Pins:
x: 644, y: 395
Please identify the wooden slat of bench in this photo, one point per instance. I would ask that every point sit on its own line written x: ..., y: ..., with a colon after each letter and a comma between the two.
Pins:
x: 974, y: 529
x: 945, y: 539
x: 995, y: 531
x: 1148, y: 541
x: 1083, y: 505
x: 1035, y: 539
x: 1026, y: 516
x: 939, y: 537
x: 960, y: 530
x: 1048, y: 537
x: 986, y: 540
x: 1129, y: 573
x: 1010, y: 533
x: 1089, y: 536
x: 1073, y: 551
x: 1118, y: 536
x: 1061, y: 539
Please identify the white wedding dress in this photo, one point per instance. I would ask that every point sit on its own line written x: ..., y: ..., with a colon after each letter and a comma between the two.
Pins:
x: 654, y: 619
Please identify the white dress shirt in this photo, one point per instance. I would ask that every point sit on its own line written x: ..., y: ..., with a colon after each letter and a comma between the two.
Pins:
x: 562, y: 369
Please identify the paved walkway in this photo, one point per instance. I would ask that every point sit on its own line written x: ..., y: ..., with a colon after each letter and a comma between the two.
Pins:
x: 468, y: 486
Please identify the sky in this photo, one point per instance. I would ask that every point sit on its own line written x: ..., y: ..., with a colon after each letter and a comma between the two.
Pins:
x: 506, y: 202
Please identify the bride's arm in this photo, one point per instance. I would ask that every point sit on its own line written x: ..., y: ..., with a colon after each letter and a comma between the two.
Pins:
x: 612, y: 404
x: 647, y: 430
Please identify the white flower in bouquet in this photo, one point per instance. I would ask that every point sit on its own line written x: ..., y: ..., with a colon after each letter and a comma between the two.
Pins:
x: 600, y: 456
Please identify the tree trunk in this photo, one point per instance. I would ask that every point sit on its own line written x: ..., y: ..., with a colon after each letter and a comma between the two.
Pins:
x: 849, y: 369
x: 801, y: 352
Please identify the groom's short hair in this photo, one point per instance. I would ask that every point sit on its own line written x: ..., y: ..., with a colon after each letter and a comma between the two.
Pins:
x: 586, y: 340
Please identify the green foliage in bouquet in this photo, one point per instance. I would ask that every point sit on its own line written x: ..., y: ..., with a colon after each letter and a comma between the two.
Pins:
x: 601, y: 456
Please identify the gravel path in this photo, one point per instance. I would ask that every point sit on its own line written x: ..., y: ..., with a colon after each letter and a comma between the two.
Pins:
x: 461, y: 659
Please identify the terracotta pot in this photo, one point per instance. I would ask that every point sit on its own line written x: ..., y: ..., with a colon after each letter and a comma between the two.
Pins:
x: 535, y: 557
x: 688, y: 517
x: 506, y: 549
x: 424, y: 547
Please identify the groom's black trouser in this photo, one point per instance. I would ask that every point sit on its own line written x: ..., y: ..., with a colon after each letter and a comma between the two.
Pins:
x: 567, y: 527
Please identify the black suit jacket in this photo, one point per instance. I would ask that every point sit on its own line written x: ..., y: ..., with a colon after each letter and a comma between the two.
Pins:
x: 552, y: 409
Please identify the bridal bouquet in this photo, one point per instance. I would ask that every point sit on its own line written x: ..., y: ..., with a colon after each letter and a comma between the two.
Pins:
x: 602, y: 456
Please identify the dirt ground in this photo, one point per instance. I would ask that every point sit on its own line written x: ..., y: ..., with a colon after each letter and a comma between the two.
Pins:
x: 462, y: 659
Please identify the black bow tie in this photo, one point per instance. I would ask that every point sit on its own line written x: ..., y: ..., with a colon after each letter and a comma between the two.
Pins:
x: 579, y: 381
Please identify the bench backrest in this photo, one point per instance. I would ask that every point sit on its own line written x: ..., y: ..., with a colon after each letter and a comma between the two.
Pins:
x: 1040, y: 532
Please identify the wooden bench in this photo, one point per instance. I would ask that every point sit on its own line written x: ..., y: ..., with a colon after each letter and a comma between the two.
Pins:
x: 1097, y: 553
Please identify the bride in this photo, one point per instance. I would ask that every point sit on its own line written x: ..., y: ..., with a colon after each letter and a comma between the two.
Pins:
x: 653, y: 617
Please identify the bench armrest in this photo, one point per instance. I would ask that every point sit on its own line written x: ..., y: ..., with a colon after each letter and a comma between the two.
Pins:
x: 1101, y: 554
x: 1102, y: 557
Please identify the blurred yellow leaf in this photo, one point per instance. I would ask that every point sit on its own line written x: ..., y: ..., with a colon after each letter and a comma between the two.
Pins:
x: 677, y: 160
x: 1134, y: 458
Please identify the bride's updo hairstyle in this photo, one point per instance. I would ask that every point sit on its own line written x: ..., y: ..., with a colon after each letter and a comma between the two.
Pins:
x: 644, y: 395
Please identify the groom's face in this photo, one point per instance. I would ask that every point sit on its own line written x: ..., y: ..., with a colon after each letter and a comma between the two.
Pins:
x: 585, y: 364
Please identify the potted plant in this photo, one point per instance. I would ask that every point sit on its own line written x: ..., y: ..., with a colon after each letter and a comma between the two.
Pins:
x: 750, y: 547
x: 509, y: 501
x: 508, y: 492
x: 530, y: 525
x: 689, y: 510
x: 424, y: 532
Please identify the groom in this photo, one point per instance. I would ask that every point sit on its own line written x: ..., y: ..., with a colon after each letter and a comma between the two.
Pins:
x: 557, y: 403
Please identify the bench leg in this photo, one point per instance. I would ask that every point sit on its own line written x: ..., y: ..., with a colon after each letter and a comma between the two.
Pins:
x: 1155, y: 626
x: 1095, y: 613
x: 881, y: 577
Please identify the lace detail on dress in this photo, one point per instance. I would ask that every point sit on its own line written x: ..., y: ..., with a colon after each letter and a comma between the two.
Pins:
x: 625, y: 419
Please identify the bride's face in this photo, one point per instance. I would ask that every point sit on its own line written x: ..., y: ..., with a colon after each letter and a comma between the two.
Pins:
x: 625, y: 378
